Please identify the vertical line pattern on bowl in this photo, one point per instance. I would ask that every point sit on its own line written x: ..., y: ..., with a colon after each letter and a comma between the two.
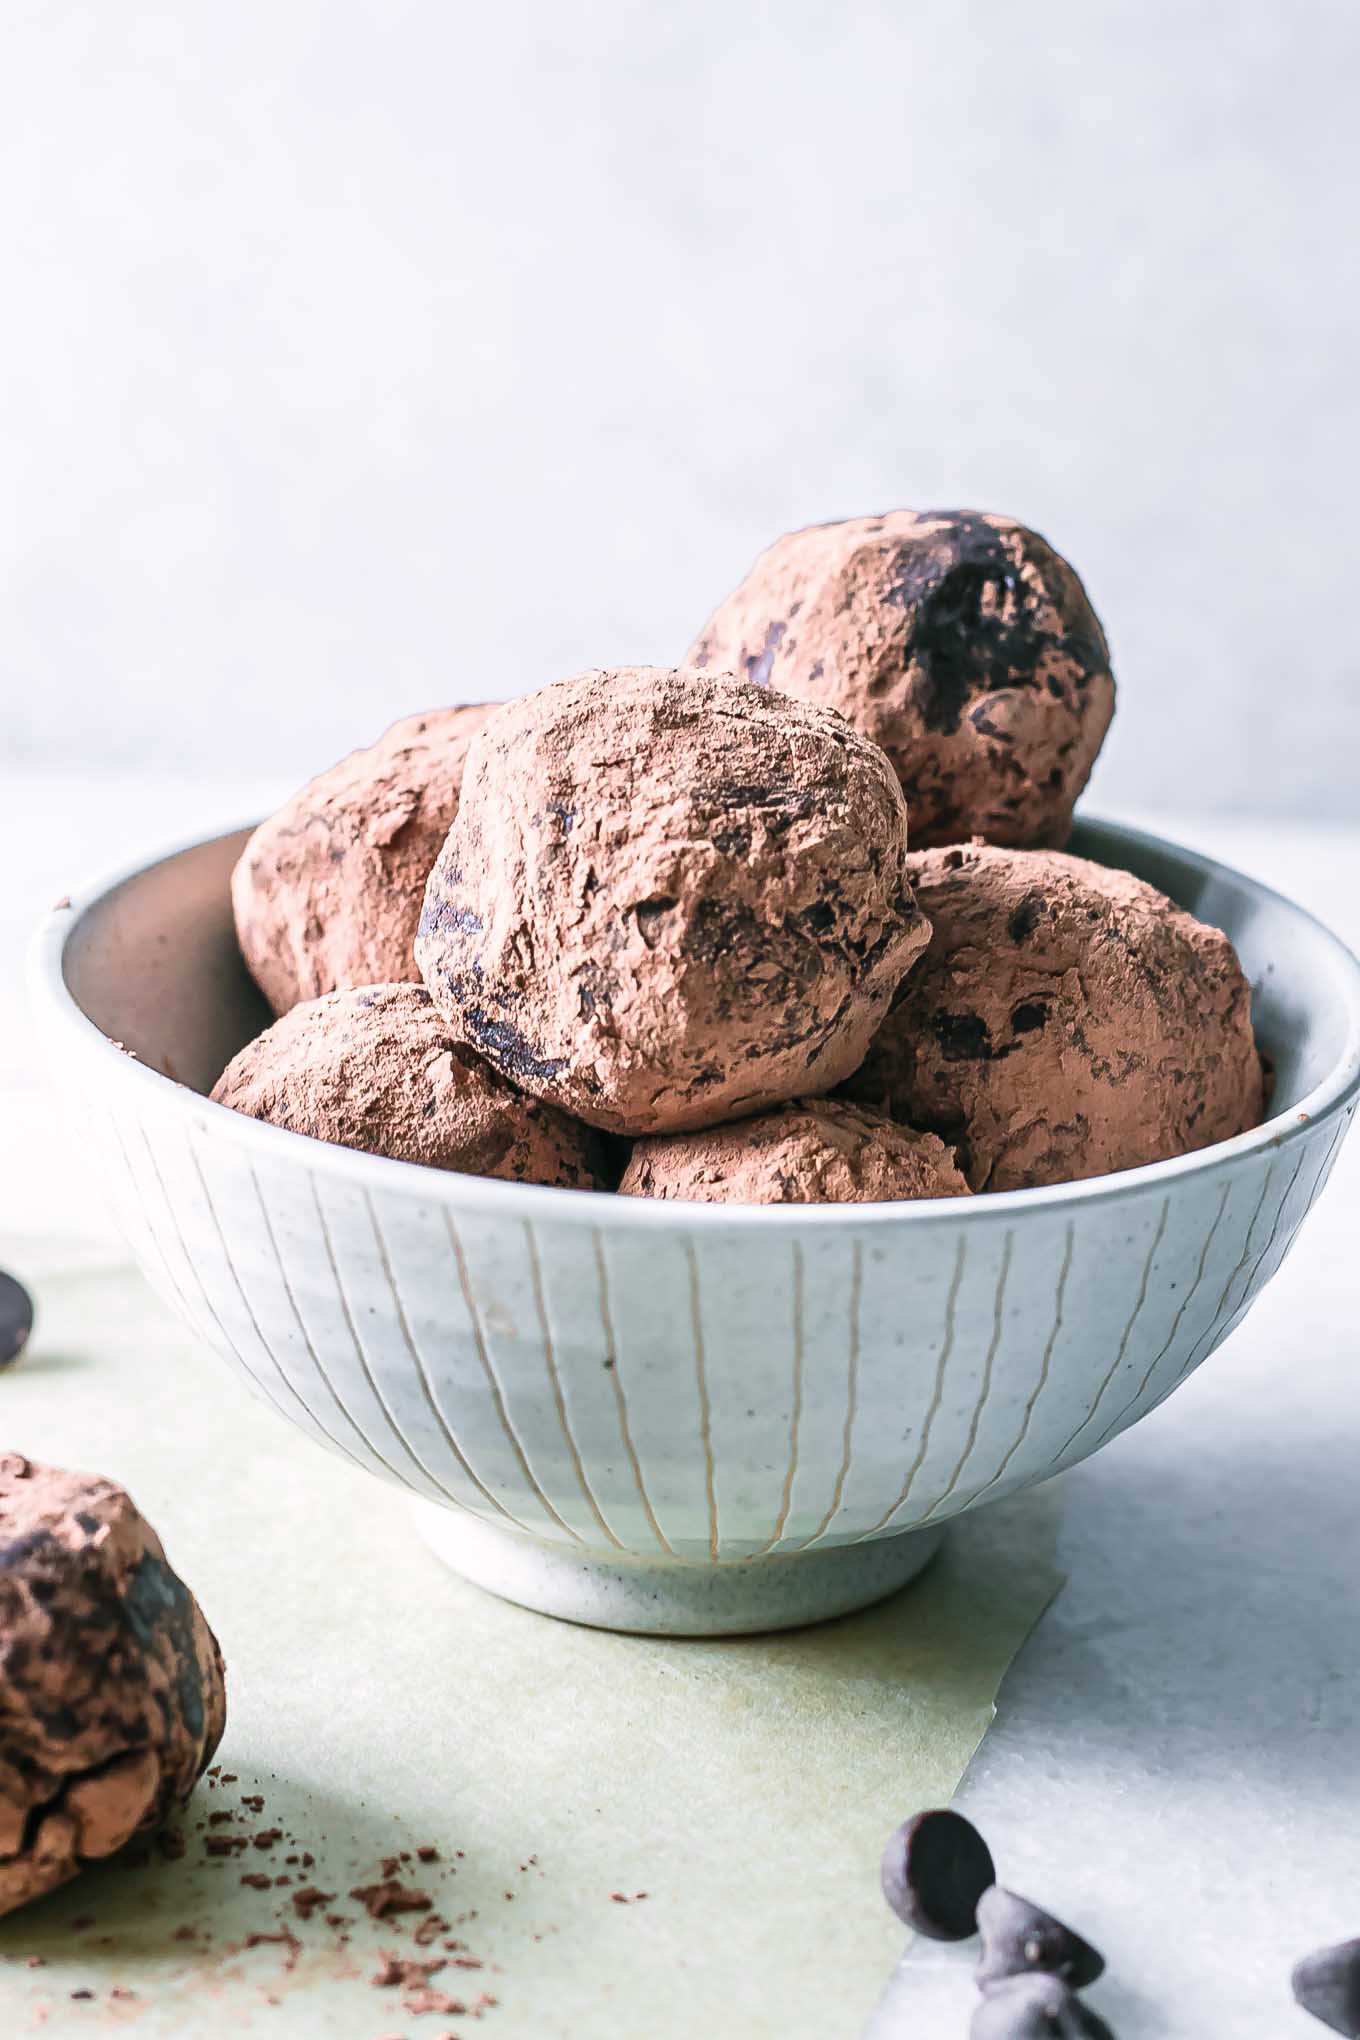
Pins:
x: 1244, y: 1301
x: 705, y: 1408
x: 796, y: 1412
x: 937, y: 1396
x: 1041, y: 1384
x: 986, y: 1388
x: 362, y: 1357
x: 190, y: 1313
x: 312, y: 1353
x: 559, y: 1400
x: 254, y: 1321
x: 1202, y: 1342
x: 1186, y: 1301
x: 422, y: 1373
x: 492, y: 1382
x: 1134, y: 1315
x: 851, y: 1393
x: 621, y: 1401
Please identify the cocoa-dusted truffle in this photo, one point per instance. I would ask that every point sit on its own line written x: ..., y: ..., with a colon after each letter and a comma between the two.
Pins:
x: 1065, y: 1021
x: 670, y: 898
x: 327, y: 892
x: 816, y: 1151
x: 111, y: 1686
x: 958, y: 640
x: 377, y: 1068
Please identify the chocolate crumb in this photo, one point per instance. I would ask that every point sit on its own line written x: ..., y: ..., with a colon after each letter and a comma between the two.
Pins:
x: 257, y: 1880
x: 308, y: 1898
x: 381, y: 1900
x: 400, y: 1971
x: 425, y: 1999
x: 285, y: 1939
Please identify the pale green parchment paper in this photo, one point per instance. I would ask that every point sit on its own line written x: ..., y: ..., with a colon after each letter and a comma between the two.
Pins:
x: 378, y: 1703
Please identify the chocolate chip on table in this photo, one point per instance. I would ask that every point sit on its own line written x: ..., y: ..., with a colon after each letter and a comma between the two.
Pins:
x: 1019, y: 1938
x: 1327, y: 1984
x: 16, y: 1318
x: 935, y: 1869
x: 1036, y: 2008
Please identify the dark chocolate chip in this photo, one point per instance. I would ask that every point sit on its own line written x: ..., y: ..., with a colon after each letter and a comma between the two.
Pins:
x: 1019, y: 1938
x: 16, y: 1318
x: 963, y: 1037
x: 1327, y: 1984
x: 1028, y: 1017
x: 1036, y: 2008
x: 935, y: 1869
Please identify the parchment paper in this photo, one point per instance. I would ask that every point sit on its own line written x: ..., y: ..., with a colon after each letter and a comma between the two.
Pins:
x: 378, y: 1704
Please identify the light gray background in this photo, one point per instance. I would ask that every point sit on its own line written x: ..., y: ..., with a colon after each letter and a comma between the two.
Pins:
x: 358, y: 357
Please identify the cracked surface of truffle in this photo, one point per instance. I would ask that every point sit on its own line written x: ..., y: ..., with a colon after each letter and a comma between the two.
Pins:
x: 815, y: 1151
x: 957, y: 639
x: 377, y: 1068
x: 1066, y: 1020
x: 327, y: 891
x: 670, y: 898
x: 112, y: 1697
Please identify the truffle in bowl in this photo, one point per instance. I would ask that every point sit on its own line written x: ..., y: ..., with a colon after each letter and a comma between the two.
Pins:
x: 565, y: 1379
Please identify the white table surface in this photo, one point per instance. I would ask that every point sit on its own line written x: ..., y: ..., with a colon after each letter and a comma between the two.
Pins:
x: 1176, y: 1760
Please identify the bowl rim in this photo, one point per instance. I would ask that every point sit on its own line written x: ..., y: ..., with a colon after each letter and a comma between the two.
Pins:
x: 53, y: 1001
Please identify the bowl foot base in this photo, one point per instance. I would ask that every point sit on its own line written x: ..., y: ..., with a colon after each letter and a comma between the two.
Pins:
x: 678, y: 1598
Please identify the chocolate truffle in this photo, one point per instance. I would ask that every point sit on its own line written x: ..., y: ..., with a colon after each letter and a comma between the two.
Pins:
x: 670, y: 898
x: 958, y: 640
x: 327, y: 892
x: 813, y: 1152
x: 1066, y: 1020
x: 377, y: 1069
x: 111, y: 1686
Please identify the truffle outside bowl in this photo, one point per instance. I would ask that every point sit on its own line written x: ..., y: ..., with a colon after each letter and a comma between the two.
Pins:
x: 677, y: 1417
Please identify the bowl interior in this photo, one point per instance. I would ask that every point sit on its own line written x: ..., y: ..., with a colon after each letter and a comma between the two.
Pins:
x: 153, y: 962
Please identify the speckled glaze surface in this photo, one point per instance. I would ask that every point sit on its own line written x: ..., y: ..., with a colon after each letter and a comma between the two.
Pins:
x: 685, y: 1418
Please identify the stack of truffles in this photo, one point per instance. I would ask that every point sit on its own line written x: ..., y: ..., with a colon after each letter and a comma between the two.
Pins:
x: 661, y: 931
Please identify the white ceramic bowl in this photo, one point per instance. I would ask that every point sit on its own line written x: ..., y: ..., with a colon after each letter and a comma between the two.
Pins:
x: 671, y: 1416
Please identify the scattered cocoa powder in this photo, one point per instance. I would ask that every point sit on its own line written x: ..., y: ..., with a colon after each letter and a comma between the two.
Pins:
x: 426, y: 1999
x: 285, y: 1939
x: 389, y: 1896
x: 401, y: 1971
x: 308, y: 1898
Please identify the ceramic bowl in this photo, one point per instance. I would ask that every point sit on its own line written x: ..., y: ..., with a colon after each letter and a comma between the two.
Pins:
x: 662, y: 1416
